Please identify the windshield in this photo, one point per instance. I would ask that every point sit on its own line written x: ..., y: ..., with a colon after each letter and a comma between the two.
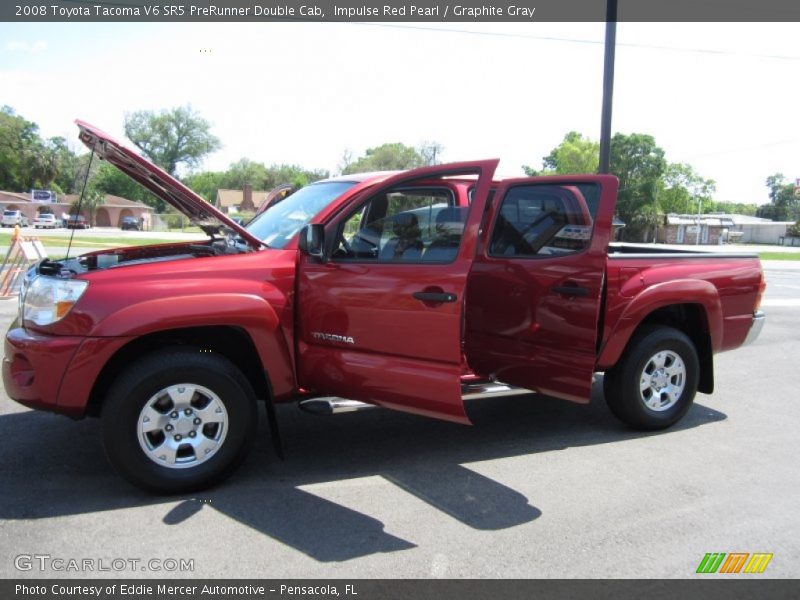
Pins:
x: 279, y: 223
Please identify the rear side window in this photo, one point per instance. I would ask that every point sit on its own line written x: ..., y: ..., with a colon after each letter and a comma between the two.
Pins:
x: 541, y: 220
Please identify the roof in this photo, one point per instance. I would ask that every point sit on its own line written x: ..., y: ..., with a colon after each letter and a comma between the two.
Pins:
x: 718, y: 220
x: 68, y: 199
x: 108, y: 200
x: 360, y: 177
x: 227, y: 198
x: 714, y: 221
x: 14, y: 197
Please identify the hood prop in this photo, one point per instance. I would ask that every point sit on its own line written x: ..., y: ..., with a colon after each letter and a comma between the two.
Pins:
x: 80, y: 204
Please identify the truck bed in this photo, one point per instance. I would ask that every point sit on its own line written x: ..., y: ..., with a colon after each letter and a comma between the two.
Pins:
x: 624, y: 250
x: 721, y: 289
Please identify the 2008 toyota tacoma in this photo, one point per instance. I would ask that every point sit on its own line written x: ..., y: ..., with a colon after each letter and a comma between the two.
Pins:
x: 413, y: 291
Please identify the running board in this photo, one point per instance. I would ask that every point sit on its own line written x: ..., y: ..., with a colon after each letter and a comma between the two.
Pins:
x: 332, y: 405
x: 490, y: 389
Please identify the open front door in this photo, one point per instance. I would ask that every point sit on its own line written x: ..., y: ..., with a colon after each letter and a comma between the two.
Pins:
x: 380, y: 319
x: 535, y: 288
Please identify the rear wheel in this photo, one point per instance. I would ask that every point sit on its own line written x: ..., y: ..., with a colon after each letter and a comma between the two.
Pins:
x: 654, y: 383
x: 179, y: 420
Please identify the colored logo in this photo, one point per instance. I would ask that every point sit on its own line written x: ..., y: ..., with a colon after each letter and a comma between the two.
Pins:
x: 734, y: 562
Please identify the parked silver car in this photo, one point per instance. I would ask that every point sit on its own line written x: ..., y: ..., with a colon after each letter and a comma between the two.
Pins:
x: 45, y: 221
x: 14, y: 217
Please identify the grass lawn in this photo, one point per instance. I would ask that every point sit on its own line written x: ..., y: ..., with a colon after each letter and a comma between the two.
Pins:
x: 779, y: 255
x: 91, y: 242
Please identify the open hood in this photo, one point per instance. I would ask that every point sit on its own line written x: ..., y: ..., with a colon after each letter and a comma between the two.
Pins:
x: 276, y: 195
x: 161, y: 184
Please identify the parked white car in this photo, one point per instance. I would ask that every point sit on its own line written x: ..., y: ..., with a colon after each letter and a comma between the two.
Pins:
x: 14, y: 217
x: 45, y: 221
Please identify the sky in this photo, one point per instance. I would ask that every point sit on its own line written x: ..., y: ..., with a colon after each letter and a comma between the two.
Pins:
x: 720, y: 96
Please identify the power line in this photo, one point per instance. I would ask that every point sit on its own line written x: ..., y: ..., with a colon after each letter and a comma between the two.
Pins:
x: 547, y: 38
x: 744, y: 148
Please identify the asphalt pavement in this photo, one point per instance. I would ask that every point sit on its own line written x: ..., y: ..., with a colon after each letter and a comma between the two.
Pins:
x: 536, y: 488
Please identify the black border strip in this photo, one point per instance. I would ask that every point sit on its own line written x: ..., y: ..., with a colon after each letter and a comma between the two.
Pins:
x: 395, y: 11
x: 706, y: 587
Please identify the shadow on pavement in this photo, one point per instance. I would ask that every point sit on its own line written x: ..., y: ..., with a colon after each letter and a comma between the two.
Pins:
x: 58, y: 468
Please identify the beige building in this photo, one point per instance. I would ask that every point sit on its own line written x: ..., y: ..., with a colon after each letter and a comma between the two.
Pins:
x: 717, y: 228
x: 109, y: 213
x: 234, y: 201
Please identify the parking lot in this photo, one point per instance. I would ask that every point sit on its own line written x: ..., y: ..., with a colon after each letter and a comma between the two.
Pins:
x: 537, y: 488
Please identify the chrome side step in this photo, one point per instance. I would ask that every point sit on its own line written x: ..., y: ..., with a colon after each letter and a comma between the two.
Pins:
x: 490, y: 389
x: 332, y: 405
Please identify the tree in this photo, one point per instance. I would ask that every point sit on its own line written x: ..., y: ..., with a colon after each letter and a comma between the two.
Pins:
x: 346, y: 160
x: 775, y: 183
x: 784, y: 205
x: 69, y: 167
x: 575, y: 154
x: 107, y: 179
x: 649, y: 186
x: 87, y: 204
x: 681, y: 190
x: 431, y: 153
x: 172, y: 137
x: 245, y: 171
x: 26, y: 161
x: 206, y: 184
x: 638, y: 163
x: 734, y: 208
x: 388, y: 157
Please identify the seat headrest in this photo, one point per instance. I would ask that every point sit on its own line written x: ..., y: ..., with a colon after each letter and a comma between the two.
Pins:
x: 406, y: 225
x: 450, y: 221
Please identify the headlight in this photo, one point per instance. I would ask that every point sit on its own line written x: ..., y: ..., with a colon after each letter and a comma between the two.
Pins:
x: 48, y: 300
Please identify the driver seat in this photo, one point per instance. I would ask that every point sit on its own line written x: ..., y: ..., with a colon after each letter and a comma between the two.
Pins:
x: 406, y: 245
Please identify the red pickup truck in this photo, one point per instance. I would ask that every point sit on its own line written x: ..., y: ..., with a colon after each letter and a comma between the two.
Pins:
x: 414, y: 291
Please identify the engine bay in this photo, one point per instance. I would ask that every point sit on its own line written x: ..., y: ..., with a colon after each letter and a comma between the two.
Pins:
x: 137, y: 255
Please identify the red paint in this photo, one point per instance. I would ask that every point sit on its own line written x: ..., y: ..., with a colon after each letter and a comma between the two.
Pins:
x: 381, y: 344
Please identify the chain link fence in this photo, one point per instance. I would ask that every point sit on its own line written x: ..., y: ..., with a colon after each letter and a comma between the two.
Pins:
x: 171, y: 222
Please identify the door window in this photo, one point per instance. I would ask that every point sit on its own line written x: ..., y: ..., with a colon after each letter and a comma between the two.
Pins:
x: 405, y: 225
x: 537, y: 221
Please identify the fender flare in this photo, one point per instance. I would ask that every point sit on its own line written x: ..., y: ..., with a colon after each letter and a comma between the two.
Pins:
x: 657, y: 296
x: 249, y: 312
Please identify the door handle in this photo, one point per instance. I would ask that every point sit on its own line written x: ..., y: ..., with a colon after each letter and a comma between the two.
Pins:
x: 435, y: 296
x: 570, y: 290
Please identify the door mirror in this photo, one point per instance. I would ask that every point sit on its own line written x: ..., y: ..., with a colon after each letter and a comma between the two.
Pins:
x: 312, y: 241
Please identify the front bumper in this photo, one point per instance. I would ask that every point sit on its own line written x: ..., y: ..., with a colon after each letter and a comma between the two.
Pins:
x: 54, y: 373
x: 34, y: 366
x: 755, y: 328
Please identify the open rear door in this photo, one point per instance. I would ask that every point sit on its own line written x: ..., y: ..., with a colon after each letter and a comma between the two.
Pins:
x: 381, y: 319
x: 535, y: 289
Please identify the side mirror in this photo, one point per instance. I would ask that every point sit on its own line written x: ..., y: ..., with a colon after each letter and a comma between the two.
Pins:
x: 312, y: 241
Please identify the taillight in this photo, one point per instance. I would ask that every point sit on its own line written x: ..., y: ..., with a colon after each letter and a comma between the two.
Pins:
x: 761, y: 287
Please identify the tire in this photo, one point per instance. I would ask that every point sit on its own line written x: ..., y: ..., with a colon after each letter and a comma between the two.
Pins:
x: 654, y: 383
x: 179, y: 420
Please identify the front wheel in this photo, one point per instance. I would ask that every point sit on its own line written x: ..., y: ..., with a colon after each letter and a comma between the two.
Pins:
x: 654, y: 383
x: 179, y: 420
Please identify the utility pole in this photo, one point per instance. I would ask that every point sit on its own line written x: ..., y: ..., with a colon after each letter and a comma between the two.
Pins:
x: 608, y: 85
x: 699, y: 208
x: 655, y: 214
